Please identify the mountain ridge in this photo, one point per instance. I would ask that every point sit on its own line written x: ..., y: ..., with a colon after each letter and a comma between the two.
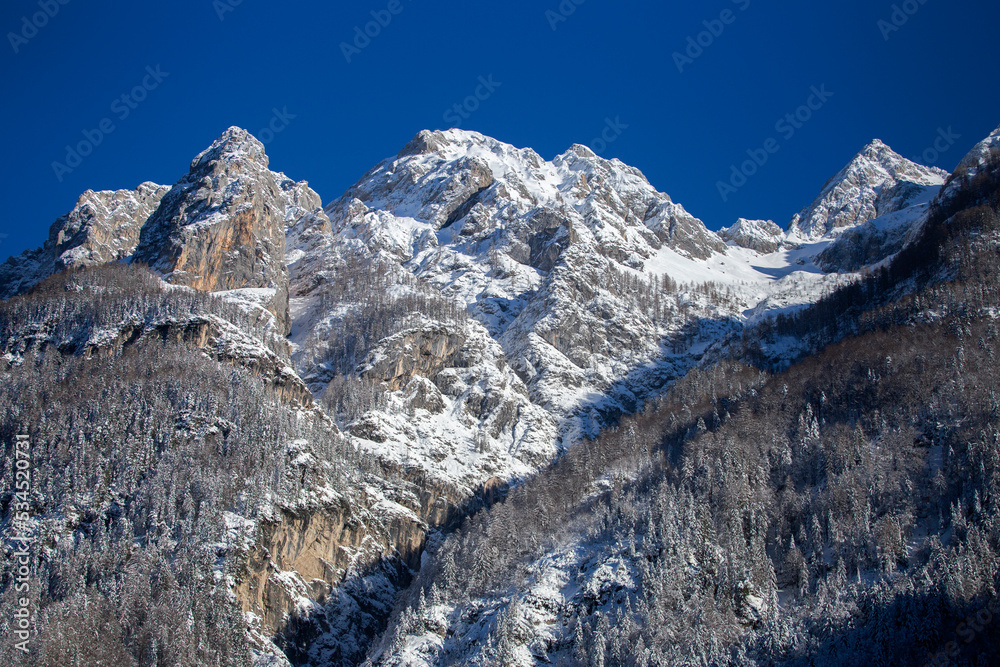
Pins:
x: 524, y: 245
x: 459, y: 321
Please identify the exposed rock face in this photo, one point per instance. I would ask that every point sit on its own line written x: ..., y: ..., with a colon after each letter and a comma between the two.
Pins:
x: 321, y: 579
x: 221, y: 227
x: 454, y: 372
x: 546, y: 239
x: 681, y: 231
x: 103, y: 227
x: 618, y: 197
x: 762, y: 236
x: 423, y: 352
x: 318, y: 547
x: 876, y: 182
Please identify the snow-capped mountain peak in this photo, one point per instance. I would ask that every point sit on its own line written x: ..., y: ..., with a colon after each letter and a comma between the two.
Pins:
x: 877, y: 181
x: 233, y: 144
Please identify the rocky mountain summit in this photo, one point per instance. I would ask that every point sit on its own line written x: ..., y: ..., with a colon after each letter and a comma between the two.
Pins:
x: 221, y: 227
x: 876, y: 182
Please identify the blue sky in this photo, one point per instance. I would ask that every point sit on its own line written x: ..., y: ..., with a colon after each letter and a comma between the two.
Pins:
x: 559, y: 72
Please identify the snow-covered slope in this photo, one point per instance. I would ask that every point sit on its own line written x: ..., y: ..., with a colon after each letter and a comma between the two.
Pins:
x: 586, y: 288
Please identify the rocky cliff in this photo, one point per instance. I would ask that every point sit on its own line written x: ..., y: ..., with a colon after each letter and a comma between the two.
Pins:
x: 222, y: 227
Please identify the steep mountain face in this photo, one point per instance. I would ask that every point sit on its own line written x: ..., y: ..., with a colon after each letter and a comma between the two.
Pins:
x: 221, y: 227
x: 876, y: 182
x: 461, y: 318
x: 103, y: 227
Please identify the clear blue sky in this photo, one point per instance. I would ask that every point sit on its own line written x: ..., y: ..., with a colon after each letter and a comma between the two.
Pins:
x: 557, y: 87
